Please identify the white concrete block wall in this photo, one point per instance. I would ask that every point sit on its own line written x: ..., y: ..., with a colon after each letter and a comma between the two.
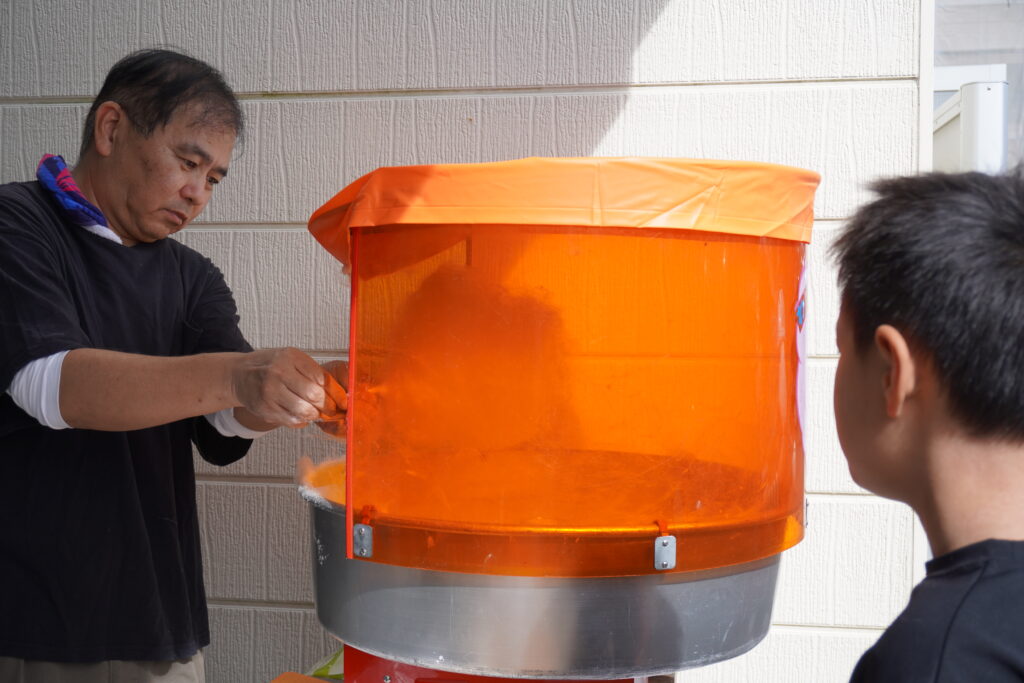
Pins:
x: 335, y: 89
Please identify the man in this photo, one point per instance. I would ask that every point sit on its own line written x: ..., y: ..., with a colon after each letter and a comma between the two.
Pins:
x: 118, y: 350
x: 929, y: 400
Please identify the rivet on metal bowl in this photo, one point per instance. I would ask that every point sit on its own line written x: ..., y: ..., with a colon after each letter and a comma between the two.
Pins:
x: 362, y: 552
x: 664, y: 543
x: 664, y: 565
x: 360, y: 531
x: 387, y: 679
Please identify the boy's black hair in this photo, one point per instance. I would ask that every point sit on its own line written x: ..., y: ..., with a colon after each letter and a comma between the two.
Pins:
x: 941, y: 258
x: 150, y: 85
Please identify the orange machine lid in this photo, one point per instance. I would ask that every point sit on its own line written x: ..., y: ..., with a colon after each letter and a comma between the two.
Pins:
x: 737, y: 197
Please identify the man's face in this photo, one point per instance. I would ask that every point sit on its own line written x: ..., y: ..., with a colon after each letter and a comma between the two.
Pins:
x: 161, y: 183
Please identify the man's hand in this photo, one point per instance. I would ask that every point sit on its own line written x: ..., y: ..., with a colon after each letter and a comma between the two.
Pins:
x: 284, y: 387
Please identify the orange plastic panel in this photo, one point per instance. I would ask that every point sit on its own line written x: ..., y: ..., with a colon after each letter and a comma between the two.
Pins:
x: 736, y: 197
x: 549, y: 399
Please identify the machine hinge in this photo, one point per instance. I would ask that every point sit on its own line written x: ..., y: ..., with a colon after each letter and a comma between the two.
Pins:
x: 362, y: 540
x: 665, y: 553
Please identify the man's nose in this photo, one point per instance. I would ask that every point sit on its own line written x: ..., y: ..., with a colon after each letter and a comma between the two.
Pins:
x: 194, y: 190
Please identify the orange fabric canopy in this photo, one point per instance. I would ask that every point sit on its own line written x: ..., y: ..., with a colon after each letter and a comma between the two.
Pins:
x: 736, y: 197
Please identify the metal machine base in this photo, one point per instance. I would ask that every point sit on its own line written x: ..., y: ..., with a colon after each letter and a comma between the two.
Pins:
x: 535, y: 627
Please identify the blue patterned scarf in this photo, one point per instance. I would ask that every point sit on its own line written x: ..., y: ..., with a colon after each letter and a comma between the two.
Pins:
x: 54, y: 175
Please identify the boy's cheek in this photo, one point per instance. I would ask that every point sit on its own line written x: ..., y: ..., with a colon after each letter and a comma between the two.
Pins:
x: 852, y: 429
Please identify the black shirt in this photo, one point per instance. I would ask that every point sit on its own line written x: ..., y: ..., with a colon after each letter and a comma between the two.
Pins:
x: 99, y: 537
x: 964, y: 622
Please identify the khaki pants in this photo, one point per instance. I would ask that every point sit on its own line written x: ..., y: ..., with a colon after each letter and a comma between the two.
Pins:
x: 13, y: 670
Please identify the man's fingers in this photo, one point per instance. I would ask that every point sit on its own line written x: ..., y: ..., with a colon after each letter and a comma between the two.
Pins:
x: 338, y: 369
x: 335, y: 393
x: 303, y: 406
x: 306, y: 366
x: 306, y: 390
x: 335, y: 375
x: 291, y: 402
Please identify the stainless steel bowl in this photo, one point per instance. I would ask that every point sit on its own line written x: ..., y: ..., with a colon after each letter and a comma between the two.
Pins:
x: 535, y: 627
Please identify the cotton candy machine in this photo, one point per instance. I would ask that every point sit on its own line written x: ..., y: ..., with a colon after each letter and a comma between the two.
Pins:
x: 574, y: 432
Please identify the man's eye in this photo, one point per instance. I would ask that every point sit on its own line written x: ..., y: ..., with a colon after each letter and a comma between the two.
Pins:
x: 212, y: 180
x: 189, y: 164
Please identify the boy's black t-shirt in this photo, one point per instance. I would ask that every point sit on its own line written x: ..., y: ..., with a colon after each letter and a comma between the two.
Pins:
x: 99, y: 537
x: 964, y: 622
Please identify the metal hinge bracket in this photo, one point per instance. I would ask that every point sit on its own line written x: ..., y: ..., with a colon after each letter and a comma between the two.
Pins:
x: 665, y: 553
x: 362, y: 540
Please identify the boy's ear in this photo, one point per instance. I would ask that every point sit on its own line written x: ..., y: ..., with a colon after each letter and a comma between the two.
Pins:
x: 900, y: 377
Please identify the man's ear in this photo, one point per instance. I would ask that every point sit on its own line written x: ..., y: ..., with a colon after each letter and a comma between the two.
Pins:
x: 108, y: 127
x: 898, y: 363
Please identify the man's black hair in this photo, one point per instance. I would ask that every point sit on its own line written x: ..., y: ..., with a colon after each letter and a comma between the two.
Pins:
x: 150, y: 85
x: 941, y: 258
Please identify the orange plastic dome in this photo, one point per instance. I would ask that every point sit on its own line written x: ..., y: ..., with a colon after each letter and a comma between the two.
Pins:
x: 555, y: 361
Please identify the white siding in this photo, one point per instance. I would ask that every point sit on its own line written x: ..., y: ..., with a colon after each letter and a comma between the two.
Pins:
x: 314, y: 46
x: 333, y: 90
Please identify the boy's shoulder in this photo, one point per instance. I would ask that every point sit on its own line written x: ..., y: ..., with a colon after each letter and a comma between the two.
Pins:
x: 963, y: 622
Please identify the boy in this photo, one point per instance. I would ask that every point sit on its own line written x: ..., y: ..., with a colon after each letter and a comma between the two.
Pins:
x: 929, y: 402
